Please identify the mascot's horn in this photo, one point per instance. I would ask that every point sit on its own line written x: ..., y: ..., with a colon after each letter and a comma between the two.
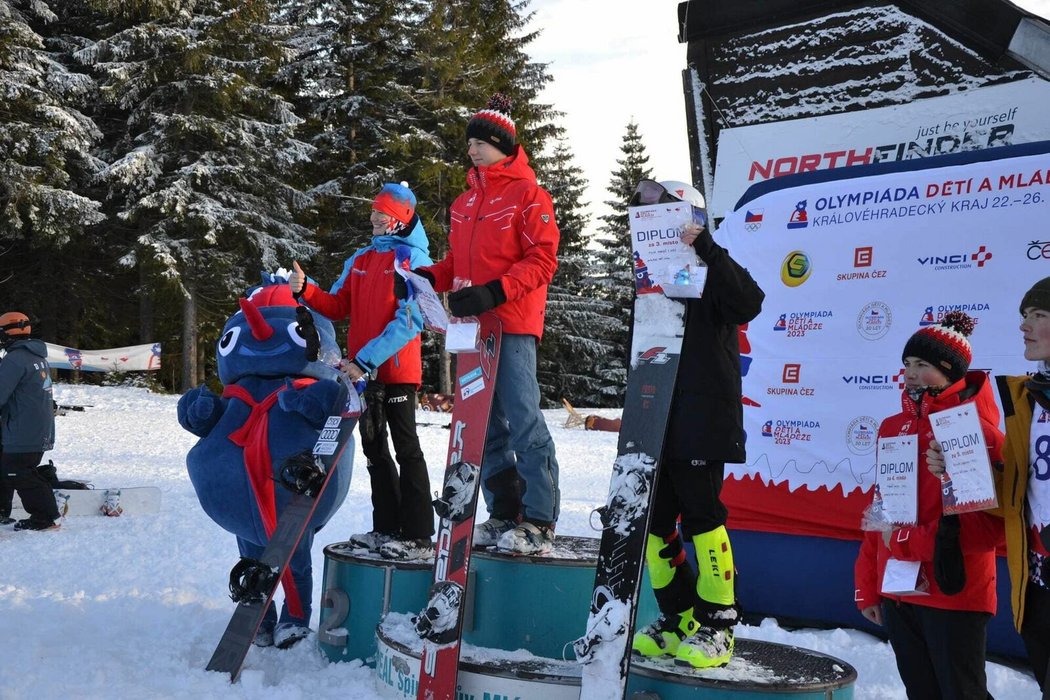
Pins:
x: 261, y: 330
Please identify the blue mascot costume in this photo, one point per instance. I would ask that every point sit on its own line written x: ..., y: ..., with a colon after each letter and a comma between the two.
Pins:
x: 273, y: 405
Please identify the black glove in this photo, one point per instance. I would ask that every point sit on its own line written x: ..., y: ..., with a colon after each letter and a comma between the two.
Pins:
x: 704, y: 244
x: 400, y: 288
x: 472, y: 301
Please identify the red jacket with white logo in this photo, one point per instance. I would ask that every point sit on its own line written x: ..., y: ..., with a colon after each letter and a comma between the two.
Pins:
x: 980, y: 533
x: 503, y: 228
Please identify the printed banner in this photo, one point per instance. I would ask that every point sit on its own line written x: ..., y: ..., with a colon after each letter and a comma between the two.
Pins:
x: 853, y: 262
x: 129, y: 359
x: 987, y: 117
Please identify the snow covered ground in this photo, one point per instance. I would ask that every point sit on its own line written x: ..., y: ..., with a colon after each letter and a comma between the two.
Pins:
x: 133, y: 606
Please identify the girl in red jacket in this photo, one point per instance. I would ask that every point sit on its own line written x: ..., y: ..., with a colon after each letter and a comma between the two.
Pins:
x: 938, y: 639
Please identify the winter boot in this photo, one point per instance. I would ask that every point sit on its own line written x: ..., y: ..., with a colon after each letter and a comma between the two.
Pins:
x: 662, y: 636
x: 286, y: 634
x: 371, y: 541
x: 30, y: 524
x: 706, y: 648
x: 527, y: 538
x: 408, y: 549
x: 488, y: 533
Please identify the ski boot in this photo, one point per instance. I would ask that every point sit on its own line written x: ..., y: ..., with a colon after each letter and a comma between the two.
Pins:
x: 706, y: 648
x: 663, y: 636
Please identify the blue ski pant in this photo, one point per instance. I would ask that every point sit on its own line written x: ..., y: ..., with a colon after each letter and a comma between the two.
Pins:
x: 519, y: 470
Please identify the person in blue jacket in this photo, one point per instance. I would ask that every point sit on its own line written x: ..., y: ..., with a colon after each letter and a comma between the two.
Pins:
x: 27, y: 424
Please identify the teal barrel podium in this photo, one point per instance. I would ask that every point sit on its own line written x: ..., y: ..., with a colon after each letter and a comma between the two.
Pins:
x: 359, y: 589
x: 521, y: 615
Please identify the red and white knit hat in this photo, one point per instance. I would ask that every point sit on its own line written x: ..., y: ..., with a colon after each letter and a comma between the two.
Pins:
x: 494, y: 125
x: 944, y: 345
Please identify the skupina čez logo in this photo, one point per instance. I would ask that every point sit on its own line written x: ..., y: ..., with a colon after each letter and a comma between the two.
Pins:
x: 796, y: 268
x: 862, y: 434
x: 874, y: 320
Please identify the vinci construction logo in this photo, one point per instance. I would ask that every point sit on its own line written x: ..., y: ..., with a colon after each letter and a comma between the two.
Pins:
x: 942, y: 262
x: 796, y: 268
x: 875, y: 382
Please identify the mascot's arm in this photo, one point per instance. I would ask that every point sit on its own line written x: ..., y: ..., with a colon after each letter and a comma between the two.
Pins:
x: 315, y: 402
x: 199, y: 410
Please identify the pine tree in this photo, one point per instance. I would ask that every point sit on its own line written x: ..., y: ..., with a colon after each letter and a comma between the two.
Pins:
x: 45, y: 146
x: 614, y: 278
x: 574, y: 356
x: 345, y: 79
x: 204, y: 177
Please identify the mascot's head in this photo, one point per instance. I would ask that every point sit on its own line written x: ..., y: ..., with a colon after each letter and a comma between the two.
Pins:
x: 262, y: 339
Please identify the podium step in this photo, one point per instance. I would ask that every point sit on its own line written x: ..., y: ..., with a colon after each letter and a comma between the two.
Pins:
x: 758, y: 670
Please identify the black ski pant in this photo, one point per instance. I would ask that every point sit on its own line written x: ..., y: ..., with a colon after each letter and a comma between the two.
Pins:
x: 1035, y: 631
x: 18, y: 472
x: 401, y: 503
x: 692, y: 489
x: 940, y: 653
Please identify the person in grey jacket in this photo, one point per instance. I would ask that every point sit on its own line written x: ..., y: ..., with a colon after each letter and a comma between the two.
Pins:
x: 27, y: 424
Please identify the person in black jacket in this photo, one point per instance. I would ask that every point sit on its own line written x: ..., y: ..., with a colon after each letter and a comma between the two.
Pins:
x: 28, y: 424
x: 705, y: 430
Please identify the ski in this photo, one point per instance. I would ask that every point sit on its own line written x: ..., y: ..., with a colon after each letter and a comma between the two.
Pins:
x: 440, y: 624
x: 254, y: 582
x: 657, y: 333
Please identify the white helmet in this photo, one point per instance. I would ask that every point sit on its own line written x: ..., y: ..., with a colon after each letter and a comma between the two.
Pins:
x: 685, y: 192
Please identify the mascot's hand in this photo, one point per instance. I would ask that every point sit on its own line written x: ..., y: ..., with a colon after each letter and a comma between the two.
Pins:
x: 199, y: 410
x: 314, y: 402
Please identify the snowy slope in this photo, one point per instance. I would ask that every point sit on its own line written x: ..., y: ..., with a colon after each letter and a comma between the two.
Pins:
x: 133, y: 606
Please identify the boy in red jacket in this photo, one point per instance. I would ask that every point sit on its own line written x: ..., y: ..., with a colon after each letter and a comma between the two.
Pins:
x: 503, y: 244
x: 938, y: 638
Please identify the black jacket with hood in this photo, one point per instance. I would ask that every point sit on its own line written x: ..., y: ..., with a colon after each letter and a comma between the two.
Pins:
x: 707, y: 418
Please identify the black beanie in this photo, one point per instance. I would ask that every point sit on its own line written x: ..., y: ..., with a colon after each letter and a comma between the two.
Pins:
x: 1038, y: 296
x: 494, y: 125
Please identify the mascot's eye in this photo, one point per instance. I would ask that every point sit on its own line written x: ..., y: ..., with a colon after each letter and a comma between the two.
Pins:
x: 229, y: 340
x: 293, y: 332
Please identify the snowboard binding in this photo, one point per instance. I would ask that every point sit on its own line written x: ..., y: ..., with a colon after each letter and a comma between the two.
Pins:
x: 628, y: 494
x: 251, y: 581
x: 439, y: 621
x: 458, y: 494
x: 303, y: 473
x: 608, y: 625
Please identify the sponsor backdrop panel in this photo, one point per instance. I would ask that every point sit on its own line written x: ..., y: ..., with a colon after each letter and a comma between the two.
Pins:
x: 988, y: 117
x: 851, y: 267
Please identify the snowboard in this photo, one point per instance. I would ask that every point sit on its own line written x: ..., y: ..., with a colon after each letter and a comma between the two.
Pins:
x: 135, y: 500
x: 254, y: 582
x: 657, y: 333
x: 440, y: 624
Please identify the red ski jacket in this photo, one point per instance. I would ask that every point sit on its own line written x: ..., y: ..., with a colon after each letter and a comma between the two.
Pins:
x: 503, y: 228
x: 980, y: 533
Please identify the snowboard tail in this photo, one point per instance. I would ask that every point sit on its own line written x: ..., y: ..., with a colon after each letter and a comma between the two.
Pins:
x: 440, y: 624
x: 253, y: 583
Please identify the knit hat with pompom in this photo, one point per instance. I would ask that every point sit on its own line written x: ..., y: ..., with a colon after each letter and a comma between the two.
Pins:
x: 944, y: 345
x: 494, y: 125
